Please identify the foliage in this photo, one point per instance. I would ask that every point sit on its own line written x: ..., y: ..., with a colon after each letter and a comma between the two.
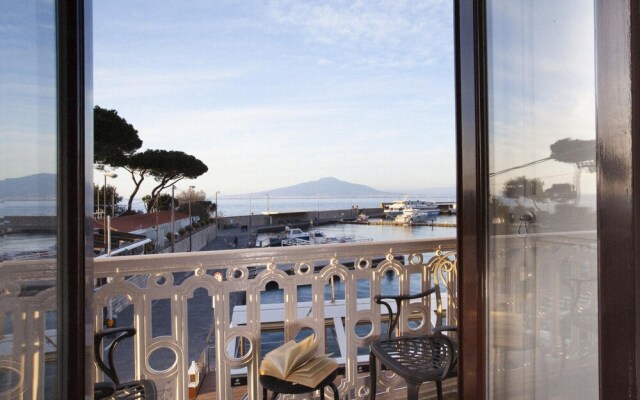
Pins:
x: 182, y: 231
x: 191, y: 195
x: 200, y: 206
x: 112, y: 199
x: 114, y: 139
x: 116, y: 143
x: 200, y: 209
x: 170, y: 167
x: 139, y: 166
x: 164, y: 203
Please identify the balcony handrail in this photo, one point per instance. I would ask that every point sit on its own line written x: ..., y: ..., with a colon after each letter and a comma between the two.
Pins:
x: 163, y: 263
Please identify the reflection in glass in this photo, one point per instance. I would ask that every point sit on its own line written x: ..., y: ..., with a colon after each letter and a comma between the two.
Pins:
x: 542, y: 338
x: 28, y: 315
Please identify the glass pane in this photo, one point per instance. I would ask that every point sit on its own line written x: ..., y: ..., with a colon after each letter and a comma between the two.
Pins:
x: 28, y: 315
x: 542, y: 338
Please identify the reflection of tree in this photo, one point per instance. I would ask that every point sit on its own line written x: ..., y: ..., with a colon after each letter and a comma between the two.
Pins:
x: 574, y: 151
x: 561, y: 192
x: 523, y: 187
x: 580, y: 153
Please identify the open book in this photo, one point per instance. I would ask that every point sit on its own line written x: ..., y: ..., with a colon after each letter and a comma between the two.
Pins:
x: 298, y: 363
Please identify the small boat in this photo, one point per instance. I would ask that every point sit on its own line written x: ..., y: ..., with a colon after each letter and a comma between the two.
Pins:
x: 413, y: 216
x: 298, y: 237
x: 362, y: 217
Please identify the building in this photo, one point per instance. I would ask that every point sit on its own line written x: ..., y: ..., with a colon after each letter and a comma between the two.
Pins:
x: 154, y: 226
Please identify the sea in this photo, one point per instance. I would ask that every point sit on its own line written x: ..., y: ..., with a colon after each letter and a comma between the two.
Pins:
x: 228, y: 207
x: 237, y: 206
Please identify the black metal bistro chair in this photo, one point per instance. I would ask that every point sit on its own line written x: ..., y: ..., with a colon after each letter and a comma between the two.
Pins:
x: 140, y: 389
x: 417, y: 359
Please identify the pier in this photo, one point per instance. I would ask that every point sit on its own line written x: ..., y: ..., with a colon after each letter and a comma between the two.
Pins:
x: 393, y: 223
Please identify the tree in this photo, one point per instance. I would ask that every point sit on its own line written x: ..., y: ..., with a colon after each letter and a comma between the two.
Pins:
x: 191, y: 195
x: 114, y: 139
x: 166, y: 167
x: 164, y: 203
x: 200, y: 206
x: 170, y: 167
x: 139, y: 166
x: 112, y: 199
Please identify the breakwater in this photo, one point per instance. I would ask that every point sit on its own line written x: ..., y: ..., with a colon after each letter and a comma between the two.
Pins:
x: 30, y: 224
x: 276, y: 221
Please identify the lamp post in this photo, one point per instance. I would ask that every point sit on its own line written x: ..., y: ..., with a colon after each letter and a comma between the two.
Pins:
x: 190, y: 221
x: 104, y: 204
x: 173, y: 220
x: 104, y: 193
x: 217, y: 192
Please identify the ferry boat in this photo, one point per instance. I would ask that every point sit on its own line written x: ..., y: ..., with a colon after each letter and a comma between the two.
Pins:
x: 413, y: 215
x: 396, y: 208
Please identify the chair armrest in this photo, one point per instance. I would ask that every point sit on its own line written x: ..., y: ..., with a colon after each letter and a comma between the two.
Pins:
x: 103, y: 390
x: 439, y: 329
x: 399, y: 299
x: 380, y: 299
x: 106, y: 332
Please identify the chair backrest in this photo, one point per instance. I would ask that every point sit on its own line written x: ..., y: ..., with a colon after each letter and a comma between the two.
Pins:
x: 442, y: 270
x: 109, y: 368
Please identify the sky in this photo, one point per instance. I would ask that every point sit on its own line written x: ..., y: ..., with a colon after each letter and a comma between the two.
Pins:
x: 542, y: 83
x: 274, y: 93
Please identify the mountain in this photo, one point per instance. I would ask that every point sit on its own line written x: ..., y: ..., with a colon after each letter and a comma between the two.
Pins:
x: 38, y: 186
x: 325, y: 187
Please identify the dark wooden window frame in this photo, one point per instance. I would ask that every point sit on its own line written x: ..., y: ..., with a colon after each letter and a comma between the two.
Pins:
x: 472, y: 175
x: 75, y: 125
x: 618, y: 156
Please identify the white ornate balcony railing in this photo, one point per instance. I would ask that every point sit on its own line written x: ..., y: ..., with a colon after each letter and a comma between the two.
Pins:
x: 560, y: 296
x: 358, y: 270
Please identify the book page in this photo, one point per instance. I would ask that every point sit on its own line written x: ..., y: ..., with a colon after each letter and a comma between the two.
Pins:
x: 305, y: 351
x: 298, y: 363
x: 274, y: 362
x: 314, y: 371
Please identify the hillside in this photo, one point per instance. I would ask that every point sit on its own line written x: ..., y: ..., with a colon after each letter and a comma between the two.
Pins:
x: 324, y: 187
x: 38, y: 186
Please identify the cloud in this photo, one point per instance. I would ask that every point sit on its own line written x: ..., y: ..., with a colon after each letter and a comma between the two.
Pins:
x: 398, y: 34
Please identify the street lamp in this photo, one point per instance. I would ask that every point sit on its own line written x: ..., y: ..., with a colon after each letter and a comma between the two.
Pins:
x: 173, y: 220
x: 104, y: 204
x: 104, y: 193
x: 190, y: 221
x: 217, y: 192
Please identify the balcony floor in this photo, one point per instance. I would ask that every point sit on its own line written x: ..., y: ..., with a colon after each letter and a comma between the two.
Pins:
x: 427, y: 391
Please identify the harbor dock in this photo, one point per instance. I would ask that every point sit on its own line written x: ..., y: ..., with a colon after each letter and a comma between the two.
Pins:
x: 393, y: 223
